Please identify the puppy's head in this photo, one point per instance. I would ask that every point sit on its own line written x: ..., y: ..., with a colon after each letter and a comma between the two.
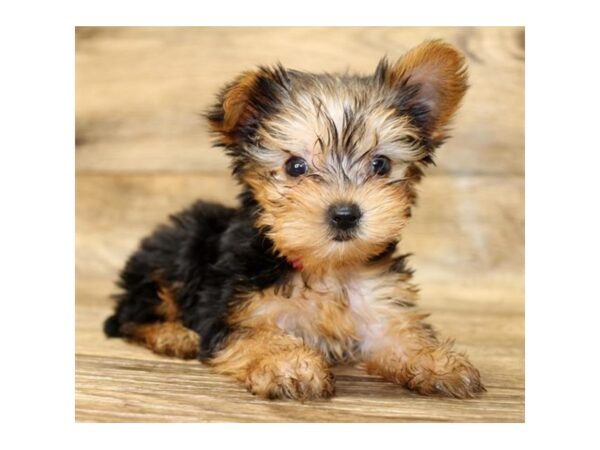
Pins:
x: 332, y: 159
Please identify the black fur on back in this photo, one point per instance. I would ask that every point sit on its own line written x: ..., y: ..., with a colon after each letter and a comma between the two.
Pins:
x: 214, y: 254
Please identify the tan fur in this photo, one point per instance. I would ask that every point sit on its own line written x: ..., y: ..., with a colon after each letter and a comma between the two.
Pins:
x: 236, y: 107
x: 295, y: 218
x: 168, y: 307
x: 236, y: 100
x: 441, y: 72
x: 165, y: 338
x: 275, y: 365
x: 429, y: 368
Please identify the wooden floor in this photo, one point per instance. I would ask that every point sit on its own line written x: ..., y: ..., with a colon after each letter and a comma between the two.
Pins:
x: 143, y: 152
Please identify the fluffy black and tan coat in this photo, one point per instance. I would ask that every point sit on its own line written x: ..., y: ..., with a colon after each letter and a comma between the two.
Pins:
x: 303, y: 274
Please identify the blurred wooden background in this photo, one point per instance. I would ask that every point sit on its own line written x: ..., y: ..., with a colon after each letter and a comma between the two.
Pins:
x: 142, y: 152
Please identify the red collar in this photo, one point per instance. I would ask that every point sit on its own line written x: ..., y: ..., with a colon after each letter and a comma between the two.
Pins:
x: 297, y: 264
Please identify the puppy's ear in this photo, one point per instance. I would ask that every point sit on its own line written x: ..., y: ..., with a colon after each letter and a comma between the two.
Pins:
x: 430, y: 81
x: 243, y: 103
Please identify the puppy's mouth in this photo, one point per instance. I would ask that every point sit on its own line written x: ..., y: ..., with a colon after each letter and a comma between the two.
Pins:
x: 343, y: 235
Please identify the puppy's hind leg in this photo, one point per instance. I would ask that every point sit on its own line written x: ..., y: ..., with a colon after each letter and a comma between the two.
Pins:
x: 165, y: 338
x: 150, y: 316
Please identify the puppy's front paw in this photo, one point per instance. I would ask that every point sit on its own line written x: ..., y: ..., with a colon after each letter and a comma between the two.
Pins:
x: 291, y: 377
x: 440, y: 370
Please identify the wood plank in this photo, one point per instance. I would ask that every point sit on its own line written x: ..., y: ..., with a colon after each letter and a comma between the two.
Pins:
x: 139, y: 90
x: 125, y: 390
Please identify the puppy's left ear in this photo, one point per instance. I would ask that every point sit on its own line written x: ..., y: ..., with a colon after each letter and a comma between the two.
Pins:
x: 430, y: 82
x: 244, y: 102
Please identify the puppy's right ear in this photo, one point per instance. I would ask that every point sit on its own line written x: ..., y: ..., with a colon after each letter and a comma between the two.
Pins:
x: 243, y: 103
x: 430, y: 82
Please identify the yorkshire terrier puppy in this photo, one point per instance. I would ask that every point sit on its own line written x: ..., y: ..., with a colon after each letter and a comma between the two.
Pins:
x: 303, y: 274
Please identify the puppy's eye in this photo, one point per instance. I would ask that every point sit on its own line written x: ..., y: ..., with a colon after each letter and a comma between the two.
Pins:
x: 381, y: 165
x: 296, y: 166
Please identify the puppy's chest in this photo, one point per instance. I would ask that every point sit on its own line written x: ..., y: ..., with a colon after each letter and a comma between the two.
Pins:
x: 336, y: 314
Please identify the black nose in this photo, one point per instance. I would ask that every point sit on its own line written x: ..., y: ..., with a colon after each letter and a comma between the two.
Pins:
x: 344, y: 216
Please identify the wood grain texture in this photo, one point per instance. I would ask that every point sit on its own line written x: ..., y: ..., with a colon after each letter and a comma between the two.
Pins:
x: 142, y: 153
x: 160, y: 391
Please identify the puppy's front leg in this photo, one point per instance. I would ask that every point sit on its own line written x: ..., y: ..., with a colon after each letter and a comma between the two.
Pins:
x: 408, y: 353
x: 275, y: 365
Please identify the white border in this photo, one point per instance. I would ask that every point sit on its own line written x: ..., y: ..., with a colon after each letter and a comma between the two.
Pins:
x: 38, y: 203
